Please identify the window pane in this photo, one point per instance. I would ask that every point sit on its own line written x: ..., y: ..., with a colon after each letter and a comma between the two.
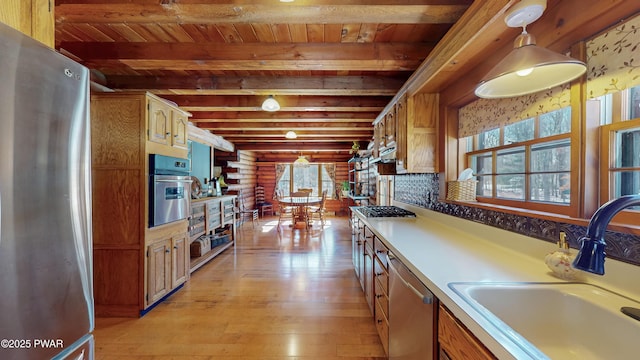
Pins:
x: 489, y: 139
x: 520, y: 131
x: 284, y: 182
x: 626, y: 183
x: 510, y: 160
x: 327, y: 182
x: 482, y: 164
x: 510, y: 187
x: 627, y: 153
x: 485, y: 186
x: 634, y: 102
x: 551, y: 156
x: 553, y: 188
x: 555, y: 122
x: 306, y: 177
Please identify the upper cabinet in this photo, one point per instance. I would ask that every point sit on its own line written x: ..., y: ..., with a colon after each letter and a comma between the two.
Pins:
x: 167, y: 124
x: 410, y: 126
x: 31, y: 17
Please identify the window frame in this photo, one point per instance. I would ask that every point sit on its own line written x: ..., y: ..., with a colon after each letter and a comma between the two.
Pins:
x: 607, y: 168
x: 319, y: 183
x: 570, y: 208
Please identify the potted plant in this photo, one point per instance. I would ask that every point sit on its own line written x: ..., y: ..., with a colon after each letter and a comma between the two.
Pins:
x: 354, y: 149
x: 345, y: 188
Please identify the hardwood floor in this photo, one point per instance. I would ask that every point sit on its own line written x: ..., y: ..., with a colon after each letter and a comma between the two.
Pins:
x: 288, y: 294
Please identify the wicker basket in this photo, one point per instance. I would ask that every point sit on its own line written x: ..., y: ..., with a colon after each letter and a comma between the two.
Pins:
x: 462, y: 190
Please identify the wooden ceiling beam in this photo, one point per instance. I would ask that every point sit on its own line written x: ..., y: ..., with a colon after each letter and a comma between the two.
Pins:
x: 285, y: 101
x: 296, y: 147
x: 263, y: 65
x: 256, y: 52
x: 307, y: 126
x: 275, y: 13
x: 266, y: 85
x: 282, y: 116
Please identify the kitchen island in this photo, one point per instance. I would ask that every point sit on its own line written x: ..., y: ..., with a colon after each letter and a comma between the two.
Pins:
x: 441, y: 249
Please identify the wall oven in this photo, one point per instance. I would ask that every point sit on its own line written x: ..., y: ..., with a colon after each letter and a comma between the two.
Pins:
x: 169, y: 189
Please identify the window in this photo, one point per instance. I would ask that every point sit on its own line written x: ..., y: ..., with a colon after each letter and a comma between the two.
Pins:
x: 318, y: 177
x: 620, y: 155
x: 525, y: 162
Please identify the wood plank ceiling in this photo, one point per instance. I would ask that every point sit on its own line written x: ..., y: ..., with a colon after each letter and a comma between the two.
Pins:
x: 332, y: 65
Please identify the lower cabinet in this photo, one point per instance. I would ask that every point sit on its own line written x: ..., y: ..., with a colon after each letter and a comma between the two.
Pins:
x: 456, y: 341
x: 167, y: 266
x: 211, y: 229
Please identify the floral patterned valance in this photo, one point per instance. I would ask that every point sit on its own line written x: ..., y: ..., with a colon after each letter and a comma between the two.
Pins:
x: 613, y: 61
x: 487, y: 114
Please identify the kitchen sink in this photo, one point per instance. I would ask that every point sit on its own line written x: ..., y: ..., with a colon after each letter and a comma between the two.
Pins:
x: 557, y: 320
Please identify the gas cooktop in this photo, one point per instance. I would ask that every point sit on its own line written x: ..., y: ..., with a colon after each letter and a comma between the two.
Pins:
x: 385, y: 211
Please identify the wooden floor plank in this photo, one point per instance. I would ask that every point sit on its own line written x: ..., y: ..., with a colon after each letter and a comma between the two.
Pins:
x: 278, y: 294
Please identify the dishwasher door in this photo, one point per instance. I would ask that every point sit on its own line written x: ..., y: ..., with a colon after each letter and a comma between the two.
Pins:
x: 411, y: 315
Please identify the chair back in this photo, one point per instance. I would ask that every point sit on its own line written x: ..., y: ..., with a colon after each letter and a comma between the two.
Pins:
x: 260, y: 198
x: 307, y: 190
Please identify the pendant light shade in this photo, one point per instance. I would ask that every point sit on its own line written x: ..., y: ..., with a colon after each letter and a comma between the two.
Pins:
x: 270, y: 104
x: 291, y: 134
x: 528, y: 68
x: 301, y: 161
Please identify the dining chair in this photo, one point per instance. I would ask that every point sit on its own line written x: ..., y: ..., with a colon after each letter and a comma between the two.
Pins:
x: 300, y: 211
x: 245, y: 213
x: 307, y: 190
x: 319, y: 210
x: 261, y: 203
x: 283, y: 210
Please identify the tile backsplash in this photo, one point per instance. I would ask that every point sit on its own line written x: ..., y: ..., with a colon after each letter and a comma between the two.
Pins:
x: 422, y: 190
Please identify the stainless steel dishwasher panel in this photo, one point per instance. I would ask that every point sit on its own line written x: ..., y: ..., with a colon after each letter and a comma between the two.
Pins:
x: 412, y: 311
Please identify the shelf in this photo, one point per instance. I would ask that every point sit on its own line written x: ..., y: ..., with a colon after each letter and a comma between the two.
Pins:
x: 196, y: 263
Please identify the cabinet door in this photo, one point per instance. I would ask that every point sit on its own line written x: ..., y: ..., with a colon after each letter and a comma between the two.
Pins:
x: 401, y: 132
x: 159, y: 127
x: 158, y: 265
x: 180, y: 260
x: 390, y: 127
x: 179, y: 130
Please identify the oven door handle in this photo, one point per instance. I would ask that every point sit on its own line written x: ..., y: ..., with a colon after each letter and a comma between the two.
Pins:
x: 174, y: 181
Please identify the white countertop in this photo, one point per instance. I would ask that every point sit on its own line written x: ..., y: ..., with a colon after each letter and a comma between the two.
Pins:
x: 441, y: 249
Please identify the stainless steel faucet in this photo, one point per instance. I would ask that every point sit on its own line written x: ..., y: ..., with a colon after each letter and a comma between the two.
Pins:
x: 591, y: 255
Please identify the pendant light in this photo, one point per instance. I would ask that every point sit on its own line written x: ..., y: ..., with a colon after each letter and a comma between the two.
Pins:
x: 291, y: 134
x: 270, y: 104
x: 528, y: 68
x: 301, y: 161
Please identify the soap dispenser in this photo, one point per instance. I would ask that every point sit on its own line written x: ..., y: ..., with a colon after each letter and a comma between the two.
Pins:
x: 560, y: 260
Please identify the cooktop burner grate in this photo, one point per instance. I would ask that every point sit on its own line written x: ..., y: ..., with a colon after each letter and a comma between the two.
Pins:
x: 385, y: 211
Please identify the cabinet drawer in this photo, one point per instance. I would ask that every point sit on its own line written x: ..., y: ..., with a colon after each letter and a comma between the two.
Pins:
x: 382, y: 299
x: 381, y: 275
x: 381, y: 251
x: 382, y: 325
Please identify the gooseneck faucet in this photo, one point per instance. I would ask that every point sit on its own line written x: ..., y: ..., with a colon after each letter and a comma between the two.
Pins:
x: 591, y: 255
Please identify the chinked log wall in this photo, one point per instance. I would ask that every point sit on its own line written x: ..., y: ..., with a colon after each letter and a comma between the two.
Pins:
x: 239, y: 171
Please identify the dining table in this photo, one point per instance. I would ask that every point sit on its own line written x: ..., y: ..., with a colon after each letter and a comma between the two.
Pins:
x: 302, y: 204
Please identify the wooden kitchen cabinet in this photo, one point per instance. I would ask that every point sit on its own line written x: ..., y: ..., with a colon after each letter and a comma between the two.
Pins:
x: 158, y: 275
x: 120, y: 152
x: 410, y: 126
x: 167, y: 259
x: 167, y: 124
x: 381, y: 291
x: 456, y: 341
x: 31, y: 17
x: 211, y: 217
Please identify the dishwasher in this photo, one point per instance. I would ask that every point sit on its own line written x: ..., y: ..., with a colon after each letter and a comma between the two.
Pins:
x: 412, y: 312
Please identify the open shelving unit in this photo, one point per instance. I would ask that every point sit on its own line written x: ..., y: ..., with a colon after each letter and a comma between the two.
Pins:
x: 359, y: 180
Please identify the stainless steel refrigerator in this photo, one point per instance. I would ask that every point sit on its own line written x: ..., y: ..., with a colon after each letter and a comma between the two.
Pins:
x: 46, y: 291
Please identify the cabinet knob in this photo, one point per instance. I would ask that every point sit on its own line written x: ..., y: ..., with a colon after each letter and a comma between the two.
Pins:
x: 167, y: 251
x: 175, y: 247
x: 167, y: 133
